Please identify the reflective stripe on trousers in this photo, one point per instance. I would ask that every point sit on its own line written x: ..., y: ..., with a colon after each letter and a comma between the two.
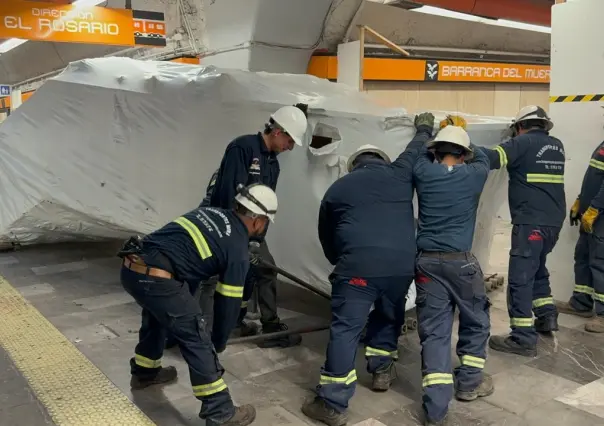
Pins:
x: 589, y: 272
x: 529, y: 290
x: 351, y: 302
x: 444, y: 284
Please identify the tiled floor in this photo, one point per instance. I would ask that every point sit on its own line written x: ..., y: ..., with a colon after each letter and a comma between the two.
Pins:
x: 77, y: 289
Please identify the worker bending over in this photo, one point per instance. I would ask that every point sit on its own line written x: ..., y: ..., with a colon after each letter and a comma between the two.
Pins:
x: 448, y: 275
x: 253, y: 159
x: 535, y: 163
x: 202, y: 243
x: 589, y: 251
x: 205, y: 290
x: 366, y: 229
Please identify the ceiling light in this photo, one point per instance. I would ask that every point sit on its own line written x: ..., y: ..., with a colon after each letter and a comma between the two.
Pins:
x: 430, y: 10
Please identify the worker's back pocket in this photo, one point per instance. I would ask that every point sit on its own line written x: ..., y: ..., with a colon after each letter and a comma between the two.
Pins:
x: 471, y: 281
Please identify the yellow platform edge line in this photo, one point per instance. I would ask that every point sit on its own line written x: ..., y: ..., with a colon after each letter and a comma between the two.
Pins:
x: 73, y: 390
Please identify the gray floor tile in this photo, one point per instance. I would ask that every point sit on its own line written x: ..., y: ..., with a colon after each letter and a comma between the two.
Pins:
x: 555, y: 413
x: 587, y: 398
x: 521, y: 388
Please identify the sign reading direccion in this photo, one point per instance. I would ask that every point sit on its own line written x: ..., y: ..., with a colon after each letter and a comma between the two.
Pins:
x: 69, y: 23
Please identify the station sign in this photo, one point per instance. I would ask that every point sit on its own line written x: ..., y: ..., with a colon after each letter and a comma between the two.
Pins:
x: 428, y: 70
x: 69, y: 23
x: 4, y: 90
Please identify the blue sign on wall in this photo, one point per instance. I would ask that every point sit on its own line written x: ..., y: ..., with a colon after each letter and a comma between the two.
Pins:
x: 4, y: 90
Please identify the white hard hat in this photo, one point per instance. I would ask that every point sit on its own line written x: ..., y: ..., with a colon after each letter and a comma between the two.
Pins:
x: 453, y: 134
x: 533, y: 112
x: 364, y: 150
x: 258, y: 199
x: 293, y: 121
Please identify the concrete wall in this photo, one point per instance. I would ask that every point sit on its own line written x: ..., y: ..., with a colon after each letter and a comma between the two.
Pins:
x: 473, y: 98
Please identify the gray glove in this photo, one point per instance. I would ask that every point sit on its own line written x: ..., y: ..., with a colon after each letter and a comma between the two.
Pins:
x: 254, y: 250
x: 424, y: 119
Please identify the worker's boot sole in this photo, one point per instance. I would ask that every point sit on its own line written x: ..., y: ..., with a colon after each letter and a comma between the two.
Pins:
x: 485, y: 389
x: 165, y: 376
x: 507, y: 345
x: 319, y: 411
x: 567, y: 308
x: 244, y: 415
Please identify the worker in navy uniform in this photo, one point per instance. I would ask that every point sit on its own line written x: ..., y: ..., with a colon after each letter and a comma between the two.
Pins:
x: 205, y: 292
x: 588, y: 293
x: 367, y: 231
x: 535, y: 164
x: 250, y: 159
x: 449, y: 182
x: 196, y: 246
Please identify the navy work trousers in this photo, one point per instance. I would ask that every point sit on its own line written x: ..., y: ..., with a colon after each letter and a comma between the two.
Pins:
x: 529, y: 288
x: 445, y: 281
x: 169, y: 306
x: 589, y: 273
x: 351, y: 300
x: 265, y: 281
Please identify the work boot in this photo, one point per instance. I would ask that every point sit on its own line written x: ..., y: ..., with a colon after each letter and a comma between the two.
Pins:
x: 567, y: 308
x: 383, y: 378
x: 319, y: 410
x: 547, y: 324
x: 164, y: 376
x: 247, y: 328
x: 283, y: 341
x: 244, y: 415
x: 508, y: 345
x: 485, y: 388
x: 595, y: 325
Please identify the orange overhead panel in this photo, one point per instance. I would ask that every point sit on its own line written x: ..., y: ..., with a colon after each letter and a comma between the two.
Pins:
x: 391, y: 69
x: 81, y: 24
x: 537, y: 12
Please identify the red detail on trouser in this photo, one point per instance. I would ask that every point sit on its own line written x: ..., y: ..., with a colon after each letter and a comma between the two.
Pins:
x: 421, y: 278
x: 535, y: 236
x: 601, y: 151
x: 358, y: 282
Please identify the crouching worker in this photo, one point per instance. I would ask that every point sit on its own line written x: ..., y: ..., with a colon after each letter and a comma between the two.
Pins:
x: 366, y: 229
x: 196, y: 246
x: 448, y: 275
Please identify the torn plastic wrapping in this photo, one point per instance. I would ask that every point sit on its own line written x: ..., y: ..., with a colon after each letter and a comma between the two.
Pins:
x: 114, y: 146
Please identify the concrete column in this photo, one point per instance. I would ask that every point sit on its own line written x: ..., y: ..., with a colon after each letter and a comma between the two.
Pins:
x: 264, y: 35
x: 15, y: 99
x: 577, y: 69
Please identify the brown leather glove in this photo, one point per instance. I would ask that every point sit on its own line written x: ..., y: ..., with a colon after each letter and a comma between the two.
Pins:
x: 589, y: 218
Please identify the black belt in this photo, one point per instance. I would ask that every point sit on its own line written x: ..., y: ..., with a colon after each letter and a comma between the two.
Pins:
x: 464, y: 255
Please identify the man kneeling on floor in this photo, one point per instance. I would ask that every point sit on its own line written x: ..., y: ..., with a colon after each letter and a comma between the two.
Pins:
x: 202, y: 243
x: 448, y: 275
x: 367, y: 231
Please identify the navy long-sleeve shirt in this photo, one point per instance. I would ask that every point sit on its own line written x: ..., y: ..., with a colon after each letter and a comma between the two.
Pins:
x: 448, y: 200
x: 201, y: 244
x: 366, y: 224
x: 592, y: 188
x: 535, y: 164
x: 246, y: 160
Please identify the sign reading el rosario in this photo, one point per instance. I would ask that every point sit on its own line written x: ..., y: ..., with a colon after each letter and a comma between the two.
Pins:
x: 80, y: 24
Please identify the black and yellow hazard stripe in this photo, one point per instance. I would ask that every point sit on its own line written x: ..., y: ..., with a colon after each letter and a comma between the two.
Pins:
x: 576, y: 98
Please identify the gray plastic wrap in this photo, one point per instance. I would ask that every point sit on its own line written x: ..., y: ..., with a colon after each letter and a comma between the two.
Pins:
x: 115, y: 146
